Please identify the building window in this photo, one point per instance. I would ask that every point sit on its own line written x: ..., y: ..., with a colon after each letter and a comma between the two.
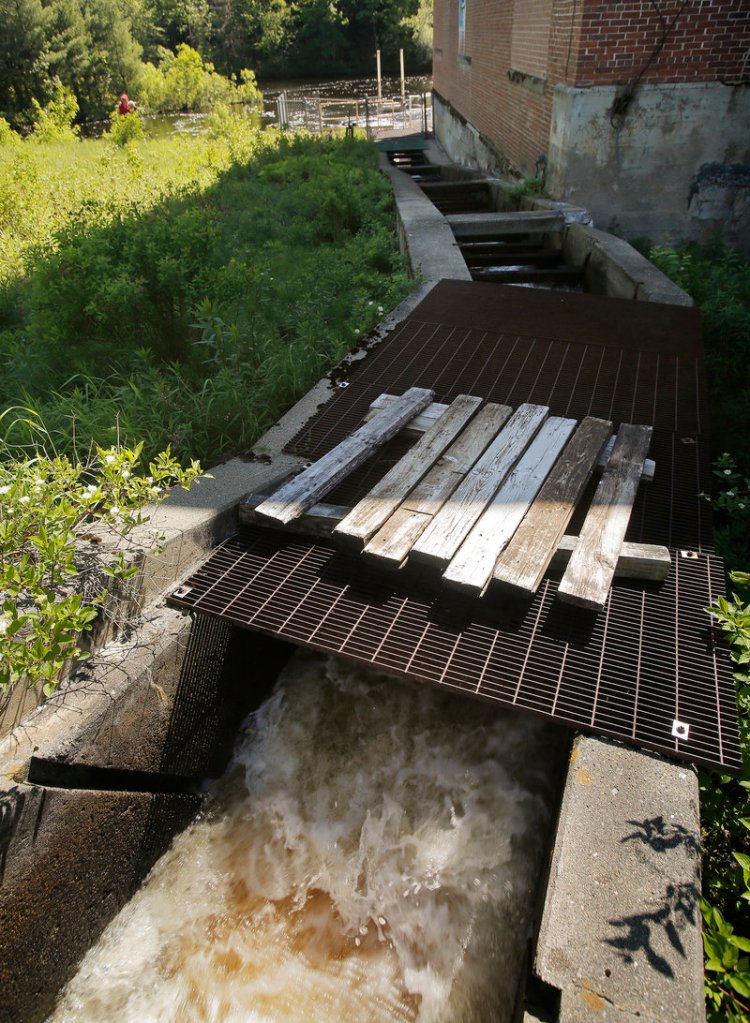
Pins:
x: 461, y: 26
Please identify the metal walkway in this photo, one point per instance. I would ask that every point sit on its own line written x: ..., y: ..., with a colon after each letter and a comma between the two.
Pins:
x: 648, y: 669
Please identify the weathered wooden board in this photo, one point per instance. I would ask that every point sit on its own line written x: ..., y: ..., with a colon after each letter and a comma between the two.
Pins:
x: 637, y: 560
x: 366, y: 518
x: 432, y: 413
x: 646, y: 561
x: 472, y: 566
x: 447, y: 531
x: 419, y: 424
x: 589, y: 574
x: 391, y: 545
x: 321, y: 477
x: 526, y: 558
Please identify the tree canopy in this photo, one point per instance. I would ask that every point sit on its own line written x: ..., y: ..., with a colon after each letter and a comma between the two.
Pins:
x: 99, y: 48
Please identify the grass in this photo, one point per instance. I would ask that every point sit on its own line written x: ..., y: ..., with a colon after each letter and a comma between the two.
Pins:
x: 185, y: 291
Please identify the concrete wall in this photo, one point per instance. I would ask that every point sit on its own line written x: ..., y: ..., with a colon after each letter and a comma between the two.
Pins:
x: 675, y: 165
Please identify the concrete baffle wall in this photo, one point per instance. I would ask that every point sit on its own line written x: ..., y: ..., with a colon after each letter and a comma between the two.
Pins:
x: 674, y: 165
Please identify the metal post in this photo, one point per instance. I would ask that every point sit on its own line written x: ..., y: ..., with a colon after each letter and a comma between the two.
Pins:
x: 403, y: 81
x: 380, y: 84
x: 424, y: 113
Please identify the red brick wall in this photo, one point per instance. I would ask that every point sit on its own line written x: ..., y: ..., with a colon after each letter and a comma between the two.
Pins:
x: 588, y: 42
x: 513, y: 114
x: 709, y: 41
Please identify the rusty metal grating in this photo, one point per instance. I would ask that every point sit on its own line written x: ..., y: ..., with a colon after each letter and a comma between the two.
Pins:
x: 583, y: 355
x: 630, y: 673
x: 645, y: 670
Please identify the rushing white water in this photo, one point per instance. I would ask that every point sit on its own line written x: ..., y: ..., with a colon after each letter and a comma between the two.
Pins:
x: 372, y: 855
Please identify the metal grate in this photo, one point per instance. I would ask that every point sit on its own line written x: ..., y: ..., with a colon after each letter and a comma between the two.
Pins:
x: 645, y: 670
x: 583, y: 355
x: 646, y: 662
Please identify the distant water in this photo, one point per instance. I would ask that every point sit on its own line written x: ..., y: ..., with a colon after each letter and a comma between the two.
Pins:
x: 298, y: 88
x: 371, y: 855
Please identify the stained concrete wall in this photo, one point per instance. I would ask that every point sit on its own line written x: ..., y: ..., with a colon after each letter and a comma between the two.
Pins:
x: 675, y: 165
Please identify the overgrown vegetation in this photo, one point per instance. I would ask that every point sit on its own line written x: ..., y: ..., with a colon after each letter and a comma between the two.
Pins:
x: 52, y: 508
x: 719, y: 281
x: 187, y: 289
x: 161, y: 301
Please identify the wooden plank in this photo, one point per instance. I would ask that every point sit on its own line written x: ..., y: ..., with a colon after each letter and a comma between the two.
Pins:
x: 376, y: 507
x: 322, y: 476
x: 589, y: 574
x: 419, y: 424
x: 432, y: 413
x: 318, y: 521
x: 447, y: 531
x: 526, y: 558
x: 637, y: 560
x: 471, y: 568
x: 391, y: 545
x: 649, y: 465
x: 646, y: 561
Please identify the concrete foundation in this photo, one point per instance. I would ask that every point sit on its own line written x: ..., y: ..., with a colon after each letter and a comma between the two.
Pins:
x: 675, y: 165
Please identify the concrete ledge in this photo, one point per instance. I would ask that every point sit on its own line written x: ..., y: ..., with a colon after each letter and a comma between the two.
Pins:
x: 621, y: 930
x: 466, y: 225
x: 613, y: 267
x: 167, y: 702
x: 424, y: 234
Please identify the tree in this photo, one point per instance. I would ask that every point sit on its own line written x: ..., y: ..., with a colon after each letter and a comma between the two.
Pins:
x: 378, y: 25
x: 24, y: 71
x: 320, y: 41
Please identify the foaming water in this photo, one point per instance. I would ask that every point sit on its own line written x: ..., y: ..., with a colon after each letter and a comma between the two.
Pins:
x: 372, y: 855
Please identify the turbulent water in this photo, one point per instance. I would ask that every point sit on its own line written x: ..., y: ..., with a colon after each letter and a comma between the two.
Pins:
x: 371, y: 855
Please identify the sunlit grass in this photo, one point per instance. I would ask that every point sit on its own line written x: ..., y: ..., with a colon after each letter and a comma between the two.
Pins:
x: 184, y: 290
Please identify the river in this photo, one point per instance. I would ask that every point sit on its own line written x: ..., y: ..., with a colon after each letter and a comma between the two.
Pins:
x: 372, y: 854
x: 296, y: 90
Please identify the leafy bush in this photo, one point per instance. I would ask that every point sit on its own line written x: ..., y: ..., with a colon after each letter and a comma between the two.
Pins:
x: 725, y: 810
x: 719, y: 281
x: 54, y: 122
x: 125, y: 130
x: 182, y: 81
x: 49, y: 505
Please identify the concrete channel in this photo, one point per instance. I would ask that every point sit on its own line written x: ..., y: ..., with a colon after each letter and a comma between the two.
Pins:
x: 618, y: 925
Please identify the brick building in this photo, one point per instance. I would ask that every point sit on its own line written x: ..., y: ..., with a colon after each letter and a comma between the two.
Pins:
x: 638, y: 109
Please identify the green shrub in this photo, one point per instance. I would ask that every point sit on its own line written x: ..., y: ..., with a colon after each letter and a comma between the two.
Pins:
x: 7, y: 136
x: 183, y: 81
x: 49, y: 505
x: 125, y: 130
x: 718, y: 279
x: 54, y: 122
x: 192, y: 296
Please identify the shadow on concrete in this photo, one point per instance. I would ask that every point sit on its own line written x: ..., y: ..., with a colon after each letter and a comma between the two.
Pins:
x: 661, y: 836
x: 637, y: 933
